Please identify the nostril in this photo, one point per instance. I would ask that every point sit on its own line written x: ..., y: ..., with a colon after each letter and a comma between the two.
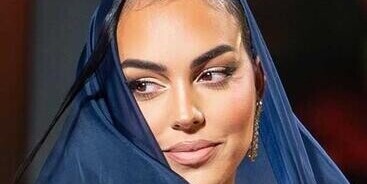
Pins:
x: 176, y: 126
x: 191, y: 124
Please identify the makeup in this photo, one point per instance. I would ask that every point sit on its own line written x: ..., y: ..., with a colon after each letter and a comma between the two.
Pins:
x: 192, y: 153
x: 144, y: 89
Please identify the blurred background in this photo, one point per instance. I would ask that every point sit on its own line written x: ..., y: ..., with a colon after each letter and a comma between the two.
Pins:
x: 319, y: 48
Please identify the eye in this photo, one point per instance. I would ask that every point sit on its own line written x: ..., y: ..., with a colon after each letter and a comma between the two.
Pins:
x: 144, y: 89
x: 215, y: 75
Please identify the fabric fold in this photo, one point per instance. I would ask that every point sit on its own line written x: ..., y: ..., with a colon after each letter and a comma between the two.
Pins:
x: 107, y: 140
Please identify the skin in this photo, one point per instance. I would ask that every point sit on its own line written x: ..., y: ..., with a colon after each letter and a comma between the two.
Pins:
x: 187, y: 104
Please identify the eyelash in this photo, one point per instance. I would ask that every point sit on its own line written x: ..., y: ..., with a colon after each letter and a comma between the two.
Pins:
x: 218, y: 85
x: 134, y: 85
x: 221, y: 84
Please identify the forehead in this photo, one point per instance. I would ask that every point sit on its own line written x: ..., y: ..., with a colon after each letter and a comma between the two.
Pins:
x: 167, y: 30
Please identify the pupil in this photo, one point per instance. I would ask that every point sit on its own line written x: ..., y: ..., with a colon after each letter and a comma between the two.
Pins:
x: 141, y: 86
x: 208, y: 76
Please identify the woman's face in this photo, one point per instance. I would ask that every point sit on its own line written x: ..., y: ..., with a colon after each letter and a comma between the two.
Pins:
x: 194, y: 82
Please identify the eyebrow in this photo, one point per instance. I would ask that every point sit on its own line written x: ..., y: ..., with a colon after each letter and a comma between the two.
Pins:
x: 143, y: 64
x: 211, y: 54
x: 199, y: 61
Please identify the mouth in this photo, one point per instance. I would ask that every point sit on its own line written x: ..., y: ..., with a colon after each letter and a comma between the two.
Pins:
x: 192, y: 153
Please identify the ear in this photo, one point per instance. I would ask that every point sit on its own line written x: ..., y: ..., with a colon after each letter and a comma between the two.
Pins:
x: 260, y: 78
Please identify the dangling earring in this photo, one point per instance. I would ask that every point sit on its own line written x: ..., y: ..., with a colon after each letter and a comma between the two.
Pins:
x: 253, y: 151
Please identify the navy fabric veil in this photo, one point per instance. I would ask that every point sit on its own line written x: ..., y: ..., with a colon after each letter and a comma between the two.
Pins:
x: 107, y: 140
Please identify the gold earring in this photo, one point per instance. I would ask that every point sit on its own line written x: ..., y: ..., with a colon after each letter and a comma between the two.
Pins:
x: 253, y: 151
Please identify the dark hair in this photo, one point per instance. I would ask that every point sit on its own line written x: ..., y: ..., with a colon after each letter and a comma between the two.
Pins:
x: 107, y: 33
x: 235, y: 8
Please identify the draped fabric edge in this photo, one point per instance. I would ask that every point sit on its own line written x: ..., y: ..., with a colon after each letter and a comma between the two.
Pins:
x: 293, y: 154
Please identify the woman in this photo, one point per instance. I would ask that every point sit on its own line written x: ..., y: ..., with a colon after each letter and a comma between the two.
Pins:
x: 189, y: 92
x: 172, y: 92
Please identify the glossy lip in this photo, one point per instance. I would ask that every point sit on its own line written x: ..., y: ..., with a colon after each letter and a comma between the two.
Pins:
x: 192, y: 153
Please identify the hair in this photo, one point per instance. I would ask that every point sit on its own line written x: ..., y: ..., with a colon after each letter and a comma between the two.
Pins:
x: 107, y: 33
x: 234, y: 7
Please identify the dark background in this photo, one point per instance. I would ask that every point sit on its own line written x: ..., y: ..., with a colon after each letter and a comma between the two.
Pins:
x: 319, y: 48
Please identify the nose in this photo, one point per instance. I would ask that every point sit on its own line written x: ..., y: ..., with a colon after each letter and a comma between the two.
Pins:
x: 187, y: 116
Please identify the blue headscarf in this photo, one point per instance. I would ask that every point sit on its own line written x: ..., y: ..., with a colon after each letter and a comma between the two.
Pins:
x: 107, y: 140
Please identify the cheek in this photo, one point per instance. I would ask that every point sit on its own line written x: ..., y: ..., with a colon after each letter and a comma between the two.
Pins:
x: 236, y: 107
x: 154, y: 113
x: 231, y: 116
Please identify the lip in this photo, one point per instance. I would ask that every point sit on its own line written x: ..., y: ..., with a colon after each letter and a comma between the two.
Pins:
x: 192, y: 153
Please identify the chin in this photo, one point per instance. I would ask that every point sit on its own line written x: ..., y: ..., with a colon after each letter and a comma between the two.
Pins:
x: 202, y: 176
